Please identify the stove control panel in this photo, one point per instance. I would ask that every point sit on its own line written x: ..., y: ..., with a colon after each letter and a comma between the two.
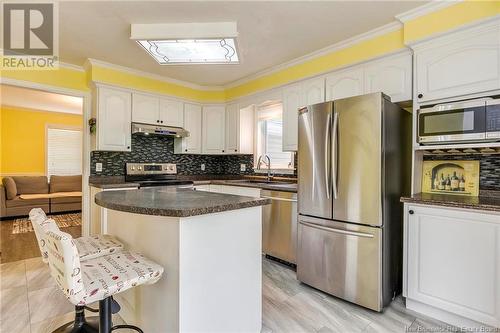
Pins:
x: 151, y: 169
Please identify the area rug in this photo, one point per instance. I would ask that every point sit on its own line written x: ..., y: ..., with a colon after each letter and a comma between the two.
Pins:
x: 23, y: 225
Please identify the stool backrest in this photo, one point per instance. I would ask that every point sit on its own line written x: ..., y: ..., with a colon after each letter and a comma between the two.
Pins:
x: 41, y: 224
x: 64, y: 264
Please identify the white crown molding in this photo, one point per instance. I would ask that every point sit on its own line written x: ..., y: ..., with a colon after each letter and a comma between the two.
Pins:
x: 71, y: 66
x: 426, y: 9
x: 94, y: 62
x: 390, y: 27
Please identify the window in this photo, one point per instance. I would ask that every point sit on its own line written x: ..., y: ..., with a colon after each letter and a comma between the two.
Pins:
x: 64, y: 151
x: 269, y: 138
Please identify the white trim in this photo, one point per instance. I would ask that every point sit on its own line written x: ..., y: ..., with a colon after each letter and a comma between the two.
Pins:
x: 86, y: 95
x: 71, y: 66
x: 426, y: 9
x: 94, y: 62
x: 470, y: 28
x: 387, y: 28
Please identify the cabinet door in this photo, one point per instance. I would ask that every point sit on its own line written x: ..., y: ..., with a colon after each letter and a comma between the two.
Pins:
x: 145, y: 109
x: 232, y: 128
x: 114, y: 119
x: 454, y: 261
x: 447, y: 69
x: 345, y: 83
x: 392, y: 76
x: 213, y: 131
x: 171, y: 112
x: 313, y: 91
x: 192, y: 123
x: 291, y: 104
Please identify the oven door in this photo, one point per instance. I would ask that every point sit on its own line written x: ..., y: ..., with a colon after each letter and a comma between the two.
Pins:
x: 460, y: 122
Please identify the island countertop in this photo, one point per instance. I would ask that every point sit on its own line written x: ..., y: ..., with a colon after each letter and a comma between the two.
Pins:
x: 174, y: 202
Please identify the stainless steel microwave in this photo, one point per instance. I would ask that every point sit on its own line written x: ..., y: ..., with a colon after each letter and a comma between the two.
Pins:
x: 468, y: 121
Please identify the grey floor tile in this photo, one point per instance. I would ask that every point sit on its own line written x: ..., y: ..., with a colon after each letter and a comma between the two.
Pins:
x: 12, y: 274
x: 47, y: 303
x: 16, y: 324
x: 13, y: 302
x: 38, y: 274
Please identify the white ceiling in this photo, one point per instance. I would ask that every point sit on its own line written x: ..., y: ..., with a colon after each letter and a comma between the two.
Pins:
x: 270, y: 33
x: 39, y: 100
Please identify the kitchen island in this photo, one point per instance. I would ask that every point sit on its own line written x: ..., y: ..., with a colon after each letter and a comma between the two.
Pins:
x: 210, y: 247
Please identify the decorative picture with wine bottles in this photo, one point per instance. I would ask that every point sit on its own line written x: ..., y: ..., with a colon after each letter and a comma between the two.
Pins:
x: 451, y: 177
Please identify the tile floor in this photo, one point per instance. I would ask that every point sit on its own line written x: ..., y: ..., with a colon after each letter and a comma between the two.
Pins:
x: 31, y: 303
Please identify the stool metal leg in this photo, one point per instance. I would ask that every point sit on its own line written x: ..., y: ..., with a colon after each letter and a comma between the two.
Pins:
x: 81, y: 324
x: 105, y: 322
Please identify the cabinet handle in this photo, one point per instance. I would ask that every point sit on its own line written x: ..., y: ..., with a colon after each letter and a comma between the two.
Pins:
x: 128, y: 147
x: 185, y: 150
x: 158, y: 121
x: 236, y: 150
x: 420, y: 95
x: 411, y: 212
x: 222, y: 150
x: 161, y: 121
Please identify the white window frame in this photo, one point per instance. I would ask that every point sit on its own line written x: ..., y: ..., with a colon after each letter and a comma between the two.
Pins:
x: 60, y: 127
x: 286, y: 171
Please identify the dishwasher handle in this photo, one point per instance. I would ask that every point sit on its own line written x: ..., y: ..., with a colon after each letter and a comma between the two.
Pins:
x: 278, y: 198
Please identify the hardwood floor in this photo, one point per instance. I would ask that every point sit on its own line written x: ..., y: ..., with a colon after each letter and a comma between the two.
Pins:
x: 32, y: 303
x: 15, y: 247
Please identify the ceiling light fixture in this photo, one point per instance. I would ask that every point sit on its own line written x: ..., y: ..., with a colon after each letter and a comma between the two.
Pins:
x: 188, y: 43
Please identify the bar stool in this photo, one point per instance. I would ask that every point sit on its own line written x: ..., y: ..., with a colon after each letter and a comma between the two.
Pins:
x: 88, y: 247
x: 97, y: 279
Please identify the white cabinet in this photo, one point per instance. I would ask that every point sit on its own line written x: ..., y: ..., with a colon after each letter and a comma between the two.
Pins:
x: 291, y: 105
x: 458, y: 64
x: 239, y: 129
x: 171, y: 112
x: 192, y: 123
x: 313, y: 91
x: 390, y: 75
x: 145, y: 109
x: 113, y: 119
x: 345, y: 83
x: 213, y: 129
x: 295, y: 96
x: 452, y: 263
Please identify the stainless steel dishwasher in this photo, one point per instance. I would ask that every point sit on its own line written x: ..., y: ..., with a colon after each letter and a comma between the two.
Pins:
x: 279, y: 225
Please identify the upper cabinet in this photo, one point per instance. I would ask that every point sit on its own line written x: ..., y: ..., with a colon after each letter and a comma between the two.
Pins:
x: 291, y: 105
x: 458, y: 64
x: 313, y: 91
x: 192, y: 123
x: 213, y: 129
x: 239, y: 129
x: 113, y: 113
x: 171, y: 112
x: 390, y: 75
x: 345, y: 83
x: 145, y: 109
x: 155, y: 110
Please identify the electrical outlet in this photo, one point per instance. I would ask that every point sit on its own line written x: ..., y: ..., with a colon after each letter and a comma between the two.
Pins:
x: 98, y: 167
x: 243, y: 167
x: 203, y: 167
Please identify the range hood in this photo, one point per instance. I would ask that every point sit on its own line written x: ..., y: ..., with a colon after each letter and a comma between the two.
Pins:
x: 147, y: 129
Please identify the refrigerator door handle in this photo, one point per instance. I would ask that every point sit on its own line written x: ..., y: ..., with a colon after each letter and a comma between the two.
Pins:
x: 335, y: 161
x: 327, y: 157
x: 338, y: 231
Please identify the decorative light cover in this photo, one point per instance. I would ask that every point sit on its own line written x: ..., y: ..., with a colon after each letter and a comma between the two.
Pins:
x: 192, y: 51
x: 188, y: 43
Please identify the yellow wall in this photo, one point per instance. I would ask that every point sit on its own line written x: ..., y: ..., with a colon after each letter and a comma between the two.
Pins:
x: 22, y: 132
x: 448, y: 18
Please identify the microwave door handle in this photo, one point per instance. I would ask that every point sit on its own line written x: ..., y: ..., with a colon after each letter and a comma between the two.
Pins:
x: 335, y: 159
x: 327, y: 157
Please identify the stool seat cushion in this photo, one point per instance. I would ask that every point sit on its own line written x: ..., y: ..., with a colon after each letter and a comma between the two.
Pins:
x: 90, y: 247
x: 108, y: 275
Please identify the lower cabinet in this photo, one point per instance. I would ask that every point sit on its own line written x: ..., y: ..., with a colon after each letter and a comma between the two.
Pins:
x: 452, y: 264
x: 227, y: 189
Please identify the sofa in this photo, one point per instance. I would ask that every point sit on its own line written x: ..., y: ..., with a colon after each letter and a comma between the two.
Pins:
x: 18, y: 195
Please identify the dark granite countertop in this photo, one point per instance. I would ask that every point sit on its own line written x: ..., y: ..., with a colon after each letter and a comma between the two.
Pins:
x: 488, y: 201
x: 106, y: 182
x: 174, y: 202
x: 283, y: 184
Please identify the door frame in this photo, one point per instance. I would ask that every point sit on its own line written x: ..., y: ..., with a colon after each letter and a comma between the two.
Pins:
x: 86, y: 115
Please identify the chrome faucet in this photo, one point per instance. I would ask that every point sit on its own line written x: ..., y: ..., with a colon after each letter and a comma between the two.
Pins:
x: 267, y: 164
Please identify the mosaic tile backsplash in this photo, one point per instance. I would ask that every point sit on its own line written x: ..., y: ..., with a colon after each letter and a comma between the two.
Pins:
x: 489, y: 168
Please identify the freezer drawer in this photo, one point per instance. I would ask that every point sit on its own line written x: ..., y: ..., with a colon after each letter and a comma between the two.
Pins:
x: 341, y: 259
x: 279, y: 225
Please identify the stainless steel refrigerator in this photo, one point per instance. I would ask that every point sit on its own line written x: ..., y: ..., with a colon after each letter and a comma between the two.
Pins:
x: 353, y: 166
